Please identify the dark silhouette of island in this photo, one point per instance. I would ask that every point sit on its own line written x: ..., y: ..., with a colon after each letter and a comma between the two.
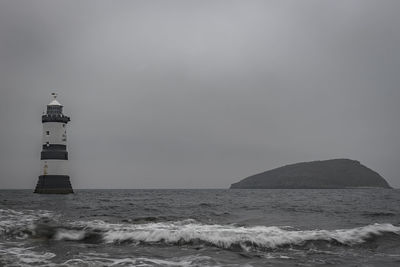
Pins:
x: 335, y: 173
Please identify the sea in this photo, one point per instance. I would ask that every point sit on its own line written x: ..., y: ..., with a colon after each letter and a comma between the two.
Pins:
x: 221, y: 227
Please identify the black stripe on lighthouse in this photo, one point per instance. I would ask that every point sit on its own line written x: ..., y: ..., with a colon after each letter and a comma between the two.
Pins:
x: 55, y: 118
x: 54, y: 184
x: 54, y: 147
x: 54, y: 154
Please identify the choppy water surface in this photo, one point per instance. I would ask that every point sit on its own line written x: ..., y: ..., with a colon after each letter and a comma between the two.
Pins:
x: 201, y: 228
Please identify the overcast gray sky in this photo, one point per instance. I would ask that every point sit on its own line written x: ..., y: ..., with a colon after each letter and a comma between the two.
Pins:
x: 199, y: 94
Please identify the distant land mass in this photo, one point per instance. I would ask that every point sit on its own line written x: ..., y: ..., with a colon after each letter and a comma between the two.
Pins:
x: 334, y: 173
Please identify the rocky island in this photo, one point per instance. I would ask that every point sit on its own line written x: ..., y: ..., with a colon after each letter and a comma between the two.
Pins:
x: 335, y: 173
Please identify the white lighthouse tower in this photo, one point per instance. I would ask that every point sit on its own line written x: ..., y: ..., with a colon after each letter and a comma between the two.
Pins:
x: 54, y: 178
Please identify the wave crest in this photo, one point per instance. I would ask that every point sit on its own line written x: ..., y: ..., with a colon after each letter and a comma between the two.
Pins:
x: 186, y: 232
x: 230, y: 236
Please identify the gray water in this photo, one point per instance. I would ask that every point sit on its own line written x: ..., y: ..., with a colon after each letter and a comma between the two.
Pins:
x: 355, y: 227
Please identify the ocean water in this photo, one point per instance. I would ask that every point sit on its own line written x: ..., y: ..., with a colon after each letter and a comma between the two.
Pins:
x: 355, y: 227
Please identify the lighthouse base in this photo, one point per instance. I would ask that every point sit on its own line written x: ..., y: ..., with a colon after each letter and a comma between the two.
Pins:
x: 53, y: 184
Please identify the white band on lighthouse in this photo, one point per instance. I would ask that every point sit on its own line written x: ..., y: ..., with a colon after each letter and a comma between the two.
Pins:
x: 54, y: 133
x: 54, y: 167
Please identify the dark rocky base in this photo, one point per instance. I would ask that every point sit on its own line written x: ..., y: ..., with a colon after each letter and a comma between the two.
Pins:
x: 53, y: 184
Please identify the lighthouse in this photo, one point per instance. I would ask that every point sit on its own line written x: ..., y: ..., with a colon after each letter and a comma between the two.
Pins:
x: 54, y: 178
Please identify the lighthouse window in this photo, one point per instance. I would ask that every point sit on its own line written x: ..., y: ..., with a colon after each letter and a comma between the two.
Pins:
x: 47, y: 132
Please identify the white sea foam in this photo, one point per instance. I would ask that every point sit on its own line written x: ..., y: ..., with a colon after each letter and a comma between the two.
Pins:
x: 226, y: 236
x: 17, y: 224
x: 63, y: 234
x: 192, y: 260
x: 23, y: 256
x: 26, y: 257
x: 12, y: 221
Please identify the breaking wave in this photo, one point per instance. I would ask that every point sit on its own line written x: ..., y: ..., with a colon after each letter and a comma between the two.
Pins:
x: 226, y: 236
x: 186, y: 232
